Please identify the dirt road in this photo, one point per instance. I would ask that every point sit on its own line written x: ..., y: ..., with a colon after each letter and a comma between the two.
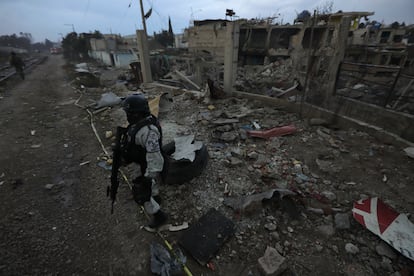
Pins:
x: 54, y: 216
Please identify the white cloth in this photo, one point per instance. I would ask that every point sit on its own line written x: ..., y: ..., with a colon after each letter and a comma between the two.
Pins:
x: 148, y: 137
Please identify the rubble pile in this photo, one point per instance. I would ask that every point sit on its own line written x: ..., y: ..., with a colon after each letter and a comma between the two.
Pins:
x: 261, y: 79
x: 290, y: 197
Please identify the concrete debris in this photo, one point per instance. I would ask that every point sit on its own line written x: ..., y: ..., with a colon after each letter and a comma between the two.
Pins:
x: 327, y: 230
x: 342, y: 221
x: 270, y: 226
x: 228, y: 136
x: 318, y: 122
x: 272, y: 263
x: 329, y: 195
x: 410, y: 152
x: 351, y: 248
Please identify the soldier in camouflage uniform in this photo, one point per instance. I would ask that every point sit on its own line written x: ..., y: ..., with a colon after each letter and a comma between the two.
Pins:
x: 142, y: 145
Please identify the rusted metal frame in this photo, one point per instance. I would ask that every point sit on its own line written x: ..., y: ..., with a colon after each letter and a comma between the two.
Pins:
x: 392, y: 92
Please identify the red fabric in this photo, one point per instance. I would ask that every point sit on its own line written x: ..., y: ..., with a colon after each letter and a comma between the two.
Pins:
x: 273, y: 132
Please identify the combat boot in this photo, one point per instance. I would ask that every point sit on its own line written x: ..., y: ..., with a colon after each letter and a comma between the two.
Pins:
x: 158, y: 220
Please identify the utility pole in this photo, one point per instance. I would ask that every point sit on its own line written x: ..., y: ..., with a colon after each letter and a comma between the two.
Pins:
x: 73, y: 27
x: 143, y: 49
x: 143, y: 17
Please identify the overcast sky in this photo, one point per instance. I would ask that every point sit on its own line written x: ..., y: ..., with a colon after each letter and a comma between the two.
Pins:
x: 52, y: 19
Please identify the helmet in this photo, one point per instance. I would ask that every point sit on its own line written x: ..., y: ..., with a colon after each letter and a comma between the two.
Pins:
x: 136, y: 103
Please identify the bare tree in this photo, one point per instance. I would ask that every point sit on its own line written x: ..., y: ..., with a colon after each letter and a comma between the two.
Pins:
x: 325, y: 8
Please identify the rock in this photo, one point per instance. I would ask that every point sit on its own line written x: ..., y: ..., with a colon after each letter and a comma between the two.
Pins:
x: 228, y: 136
x: 270, y: 226
x: 386, y: 264
x: 253, y: 155
x: 329, y: 195
x: 279, y: 247
x: 49, y: 186
x: 275, y: 235
x: 317, y: 122
x: 272, y: 263
x: 351, y: 248
x: 342, y: 221
x: 409, y: 151
x: 234, y: 162
x: 326, y: 230
x: 225, y: 128
x: 319, y: 248
x: 384, y: 249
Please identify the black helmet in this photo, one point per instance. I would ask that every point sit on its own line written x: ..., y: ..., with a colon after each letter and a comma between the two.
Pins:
x: 136, y: 103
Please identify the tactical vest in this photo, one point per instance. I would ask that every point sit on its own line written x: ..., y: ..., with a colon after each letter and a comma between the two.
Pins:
x: 131, y: 152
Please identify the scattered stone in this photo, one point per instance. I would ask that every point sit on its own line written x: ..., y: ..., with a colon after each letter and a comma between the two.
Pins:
x: 275, y: 235
x: 270, y: 226
x: 108, y: 134
x: 253, y: 155
x: 329, y: 195
x: 327, y: 230
x: 272, y: 263
x: 386, y: 264
x: 409, y: 151
x: 225, y: 128
x: 351, y: 248
x: 279, y: 247
x: 319, y: 248
x: 290, y: 229
x: 234, y: 161
x: 342, y: 221
x: 384, y: 249
x: 49, y: 186
x: 228, y: 136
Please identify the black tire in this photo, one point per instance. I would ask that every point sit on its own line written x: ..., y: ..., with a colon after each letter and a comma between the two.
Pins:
x: 181, y: 171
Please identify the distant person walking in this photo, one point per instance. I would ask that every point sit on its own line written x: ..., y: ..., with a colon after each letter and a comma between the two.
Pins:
x: 17, y: 63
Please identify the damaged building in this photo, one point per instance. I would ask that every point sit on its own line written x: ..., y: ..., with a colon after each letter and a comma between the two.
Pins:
x: 333, y: 61
x: 340, y: 64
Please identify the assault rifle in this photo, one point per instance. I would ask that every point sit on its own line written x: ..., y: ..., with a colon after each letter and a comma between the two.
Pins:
x: 116, y: 163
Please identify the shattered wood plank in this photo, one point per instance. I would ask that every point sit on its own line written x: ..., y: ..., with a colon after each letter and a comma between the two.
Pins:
x: 276, y: 103
x: 225, y: 121
x: 183, y: 77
